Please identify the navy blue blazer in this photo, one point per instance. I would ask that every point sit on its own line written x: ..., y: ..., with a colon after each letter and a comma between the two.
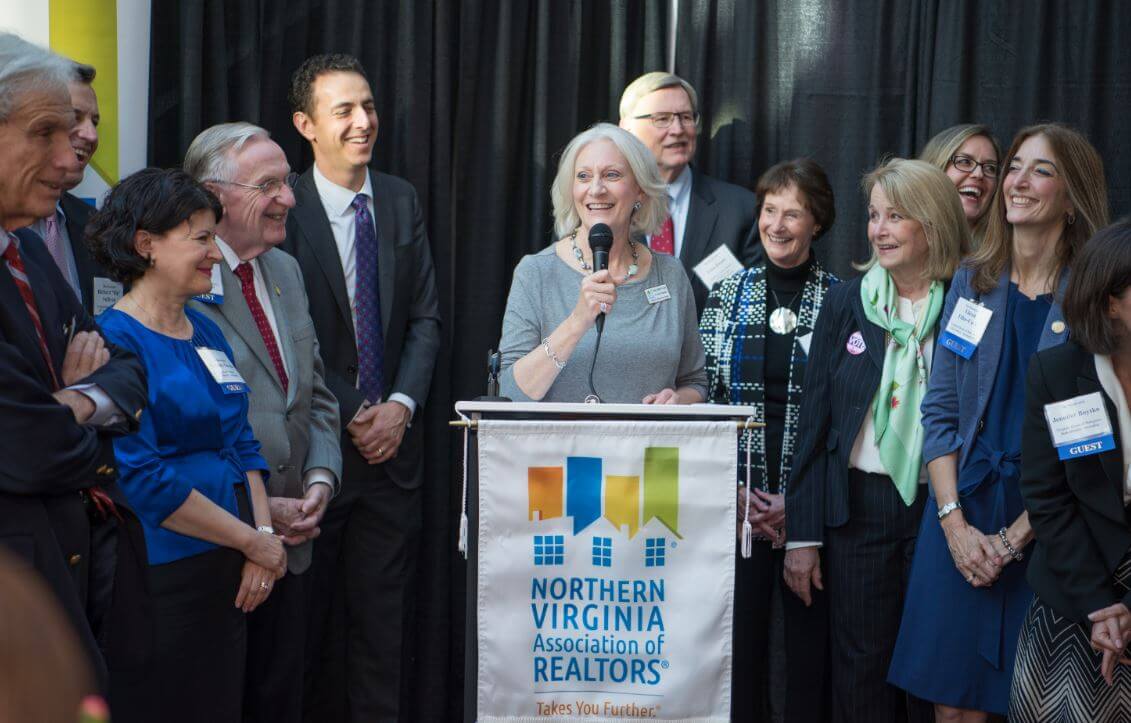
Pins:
x: 960, y: 389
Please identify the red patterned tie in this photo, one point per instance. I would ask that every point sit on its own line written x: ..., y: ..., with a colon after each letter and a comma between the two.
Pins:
x: 247, y: 281
x: 663, y: 241
x: 19, y: 275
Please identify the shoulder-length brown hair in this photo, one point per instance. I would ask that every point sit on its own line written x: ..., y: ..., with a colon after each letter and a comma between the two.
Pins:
x: 1102, y: 270
x: 1083, y: 172
x: 940, y: 151
x: 925, y: 194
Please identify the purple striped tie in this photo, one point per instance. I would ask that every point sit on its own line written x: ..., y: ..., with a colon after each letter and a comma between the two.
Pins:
x: 367, y: 304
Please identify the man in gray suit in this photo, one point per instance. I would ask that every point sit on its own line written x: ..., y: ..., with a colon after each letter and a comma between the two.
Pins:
x: 259, y: 301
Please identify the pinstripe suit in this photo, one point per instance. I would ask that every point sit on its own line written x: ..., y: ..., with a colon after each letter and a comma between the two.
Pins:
x: 868, y: 532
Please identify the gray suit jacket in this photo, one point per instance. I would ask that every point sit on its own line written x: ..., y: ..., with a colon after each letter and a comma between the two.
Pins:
x: 298, y: 431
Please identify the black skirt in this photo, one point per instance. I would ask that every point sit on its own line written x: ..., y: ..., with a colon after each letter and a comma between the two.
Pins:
x: 1057, y: 674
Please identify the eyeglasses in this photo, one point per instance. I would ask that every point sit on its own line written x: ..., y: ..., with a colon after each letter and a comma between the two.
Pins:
x: 663, y: 120
x: 967, y: 165
x: 270, y: 188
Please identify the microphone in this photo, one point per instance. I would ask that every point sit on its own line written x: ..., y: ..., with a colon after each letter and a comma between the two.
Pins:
x: 600, y: 242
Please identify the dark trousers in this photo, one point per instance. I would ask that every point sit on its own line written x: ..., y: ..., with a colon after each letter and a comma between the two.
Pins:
x: 276, y: 646
x: 361, y: 576
x: 868, y: 562
x: 806, y: 643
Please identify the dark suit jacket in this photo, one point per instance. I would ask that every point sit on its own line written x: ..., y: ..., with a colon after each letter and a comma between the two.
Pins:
x: 48, y: 457
x: 410, y: 314
x: 719, y: 214
x: 78, y: 212
x: 1075, y: 506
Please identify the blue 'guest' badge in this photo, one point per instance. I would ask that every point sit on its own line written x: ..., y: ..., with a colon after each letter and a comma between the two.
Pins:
x: 1080, y: 427
x: 966, y: 327
x: 223, y: 371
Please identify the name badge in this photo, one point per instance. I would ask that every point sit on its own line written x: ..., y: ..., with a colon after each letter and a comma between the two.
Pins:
x: 1080, y: 426
x: 716, y: 266
x: 107, y: 292
x: 656, y: 294
x: 216, y: 295
x: 222, y: 370
x: 966, y: 327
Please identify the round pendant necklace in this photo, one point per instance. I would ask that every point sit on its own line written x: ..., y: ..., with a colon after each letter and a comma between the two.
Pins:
x: 783, y: 320
x: 632, y: 268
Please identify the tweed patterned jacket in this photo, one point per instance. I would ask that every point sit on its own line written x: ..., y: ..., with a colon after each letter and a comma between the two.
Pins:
x: 733, y: 328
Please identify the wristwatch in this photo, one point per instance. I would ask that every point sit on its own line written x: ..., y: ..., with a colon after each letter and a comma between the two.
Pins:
x: 948, y: 508
x: 266, y: 528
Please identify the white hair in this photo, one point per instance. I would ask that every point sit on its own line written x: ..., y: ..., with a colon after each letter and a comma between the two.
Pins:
x: 653, y: 209
x: 211, y: 155
x: 25, y: 68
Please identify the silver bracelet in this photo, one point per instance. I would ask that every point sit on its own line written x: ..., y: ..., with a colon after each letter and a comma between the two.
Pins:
x: 550, y: 353
x: 1016, y: 555
x: 948, y: 508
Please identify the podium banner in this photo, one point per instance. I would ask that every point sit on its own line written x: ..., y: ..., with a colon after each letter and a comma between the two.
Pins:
x: 605, y: 570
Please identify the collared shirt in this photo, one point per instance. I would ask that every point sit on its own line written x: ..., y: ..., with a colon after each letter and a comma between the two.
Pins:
x: 314, y: 475
x: 106, y: 412
x: 338, y: 202
x: 71, y: 273
x: 1110, y: 383
x: 679, y: 203
x: 261, y: 294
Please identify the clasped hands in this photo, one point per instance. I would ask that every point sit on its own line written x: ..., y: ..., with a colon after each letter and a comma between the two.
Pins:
x: 978, y: 557
x: 297, y: 520
x: 266, y: 562
x: 86, y: 353
x: 767, y: 514
x: 1111, y: 631
x: 377, y: 430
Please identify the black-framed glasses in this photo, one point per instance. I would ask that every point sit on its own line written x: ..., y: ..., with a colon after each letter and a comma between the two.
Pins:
x: 663, y: 120
x: 966, y: 164
x: 270, y: 188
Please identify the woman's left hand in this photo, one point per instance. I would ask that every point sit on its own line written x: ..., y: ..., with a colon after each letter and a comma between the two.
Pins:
x: 664, y: 396
x: 256, y: 584
x: 769, y: 513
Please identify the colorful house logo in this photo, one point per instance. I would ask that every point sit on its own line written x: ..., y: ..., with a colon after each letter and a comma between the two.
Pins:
x: 578, y: 488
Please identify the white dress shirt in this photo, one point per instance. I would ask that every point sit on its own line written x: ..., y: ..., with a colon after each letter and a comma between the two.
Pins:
x: 338, y: 203
x: 1110, y: 383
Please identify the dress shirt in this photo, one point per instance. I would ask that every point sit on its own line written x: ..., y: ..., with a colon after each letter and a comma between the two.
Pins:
x: 106, y: 413
x: 865, y: 455
x: 314, y: 475
x: 1110, y: 383
x: 337, y: 201
x: 71, y: 273
x: 679, y: 202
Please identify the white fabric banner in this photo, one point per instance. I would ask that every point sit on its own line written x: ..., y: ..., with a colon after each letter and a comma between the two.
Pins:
x: 606, y: 570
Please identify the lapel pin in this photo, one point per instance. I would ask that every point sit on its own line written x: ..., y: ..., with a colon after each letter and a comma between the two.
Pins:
x: 1058, y: 327
x: 277, y: 291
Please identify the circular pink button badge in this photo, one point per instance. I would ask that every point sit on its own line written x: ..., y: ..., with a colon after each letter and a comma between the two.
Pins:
x: 856, y: 344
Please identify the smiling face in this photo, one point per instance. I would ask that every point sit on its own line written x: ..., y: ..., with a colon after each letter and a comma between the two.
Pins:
x: 974, y: 187
x: 84, y: 136
x: 674, y: 146
x: 1035, y: 191
x: 899, y: 243
x: 343, y: 126
x: 37, y: 157
x: 183, y: 256
x: 253, y: 221
x: 786, y: 227
x: 604, y: 189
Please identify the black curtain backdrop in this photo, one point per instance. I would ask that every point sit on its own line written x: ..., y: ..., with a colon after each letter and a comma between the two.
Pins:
x: 476, y: 99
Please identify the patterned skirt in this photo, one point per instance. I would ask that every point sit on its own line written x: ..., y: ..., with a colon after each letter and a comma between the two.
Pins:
x: 1057, y: 675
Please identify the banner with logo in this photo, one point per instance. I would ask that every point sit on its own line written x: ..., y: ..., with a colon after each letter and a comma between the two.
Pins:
x: 605, y: 570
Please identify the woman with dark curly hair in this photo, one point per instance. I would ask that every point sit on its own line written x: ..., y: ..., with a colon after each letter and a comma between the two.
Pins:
x: 193, y: 472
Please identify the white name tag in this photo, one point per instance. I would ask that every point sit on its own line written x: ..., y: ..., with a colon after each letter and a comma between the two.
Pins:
x: 716, y: 266
x: 1080, y: 426
x: 656, y: 294
x: 106, y: 292
x: 966, y: 327
x: 222, y: 370
x: 216, y: 295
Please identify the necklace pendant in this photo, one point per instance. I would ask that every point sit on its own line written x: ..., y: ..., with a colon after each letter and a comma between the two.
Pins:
x: 783, y: 320
x: 632, y: 269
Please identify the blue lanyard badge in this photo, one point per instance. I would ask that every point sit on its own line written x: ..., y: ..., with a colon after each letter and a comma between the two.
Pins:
x: 964, y: 331
x: 1080, y: 426
x: 216, y: 295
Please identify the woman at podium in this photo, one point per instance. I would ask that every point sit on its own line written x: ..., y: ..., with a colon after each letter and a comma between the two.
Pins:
x: 624, y: 334
x: 756, y: 328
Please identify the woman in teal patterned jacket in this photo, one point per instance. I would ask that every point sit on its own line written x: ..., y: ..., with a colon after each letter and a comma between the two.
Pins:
x: 756, y: 328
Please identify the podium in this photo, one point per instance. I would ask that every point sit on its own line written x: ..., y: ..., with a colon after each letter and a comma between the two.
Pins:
x: 600, y: 540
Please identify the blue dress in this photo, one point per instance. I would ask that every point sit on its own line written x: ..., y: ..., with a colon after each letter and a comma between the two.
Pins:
x: 192, y: 435
x: 957, y: 643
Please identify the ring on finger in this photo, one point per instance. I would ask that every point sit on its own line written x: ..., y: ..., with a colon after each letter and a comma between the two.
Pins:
x: 604, y: 307
x: 263, y: 585
x: 380, y: 451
